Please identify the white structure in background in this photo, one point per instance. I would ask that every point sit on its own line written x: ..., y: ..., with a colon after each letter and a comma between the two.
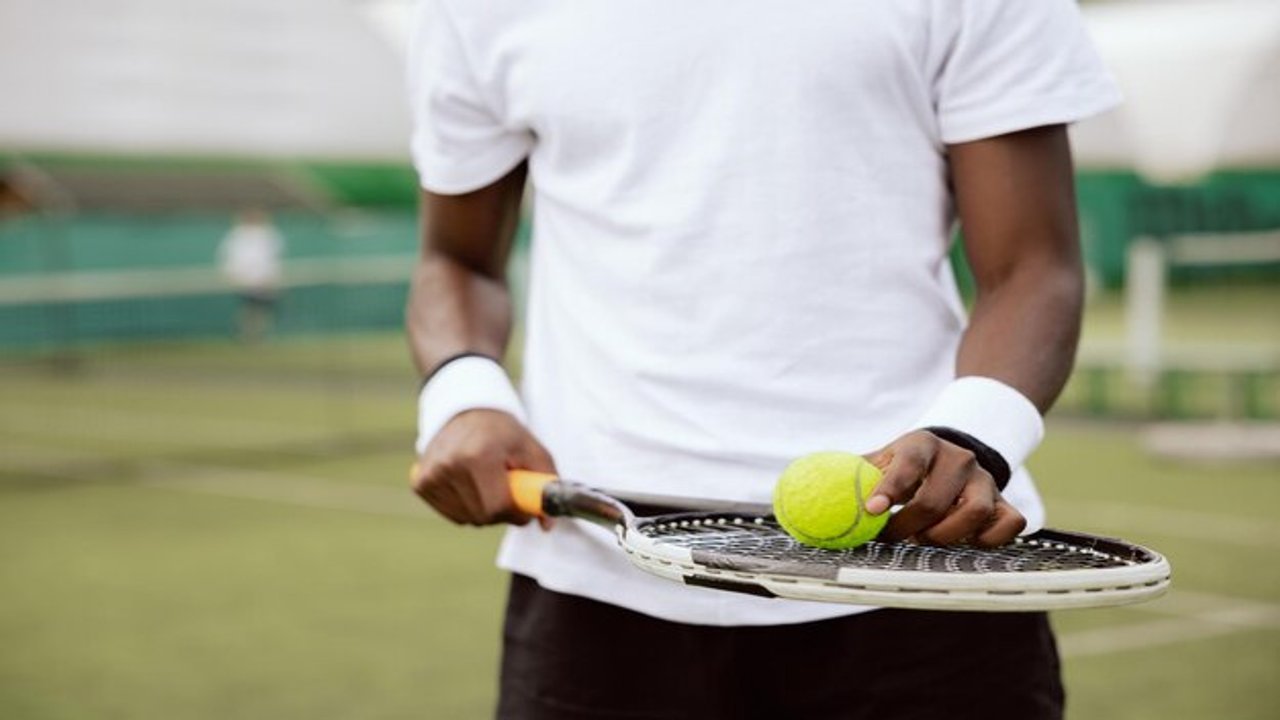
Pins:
x: 324, y: 78
x: 1202, y: 86
x: 392, y: 18
x: 250, y: 78
x: 1201, y: 80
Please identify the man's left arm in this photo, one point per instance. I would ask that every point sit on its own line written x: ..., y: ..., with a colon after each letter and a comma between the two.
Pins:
x: 1017, y: 206
x: 1015, y: 198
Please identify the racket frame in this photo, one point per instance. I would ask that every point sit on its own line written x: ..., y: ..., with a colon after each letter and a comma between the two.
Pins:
x: 1145, y: 577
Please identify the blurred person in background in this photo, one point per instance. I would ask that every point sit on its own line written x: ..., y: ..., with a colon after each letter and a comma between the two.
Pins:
x: 250, y: 257
x: 742, y: 219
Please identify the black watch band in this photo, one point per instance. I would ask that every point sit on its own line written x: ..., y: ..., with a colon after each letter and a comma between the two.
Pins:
x: 443, y: 363
x: 987, y: 458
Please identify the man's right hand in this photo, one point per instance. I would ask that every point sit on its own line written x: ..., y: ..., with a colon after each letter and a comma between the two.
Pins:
x: 463, y: 473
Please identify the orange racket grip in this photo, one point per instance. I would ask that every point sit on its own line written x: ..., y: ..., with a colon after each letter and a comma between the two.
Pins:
x: 526, y: 490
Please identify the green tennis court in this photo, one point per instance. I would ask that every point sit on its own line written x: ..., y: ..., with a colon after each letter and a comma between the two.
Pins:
x: 205, y: 530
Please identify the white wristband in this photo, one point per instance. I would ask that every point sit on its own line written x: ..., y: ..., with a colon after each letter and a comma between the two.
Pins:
x: 1001, y: 417
x: 468, y: 383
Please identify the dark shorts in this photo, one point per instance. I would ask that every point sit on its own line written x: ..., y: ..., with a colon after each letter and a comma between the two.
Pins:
x: 571, y: 658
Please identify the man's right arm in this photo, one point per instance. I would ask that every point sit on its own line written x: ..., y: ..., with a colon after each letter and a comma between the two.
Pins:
x: 459, y: 303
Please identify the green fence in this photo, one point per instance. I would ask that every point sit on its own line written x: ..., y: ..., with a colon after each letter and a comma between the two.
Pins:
x: 67, y: 281
x: 1117, y: 206
x: 96, y: 275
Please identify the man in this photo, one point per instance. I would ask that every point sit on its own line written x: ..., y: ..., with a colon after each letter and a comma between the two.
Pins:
x: 742, y: 215
x: 250, y: 259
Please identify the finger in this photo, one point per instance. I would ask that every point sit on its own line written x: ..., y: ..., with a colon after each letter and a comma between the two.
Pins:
x: 450, y: 484
x: 1007, y: 522
x: 470, y: 459
x: 903, y: 466
x: 933, y: 500
x: 971, y: 514
x: 494, y: 490
x: 443, y: 499
x: 438, y: 485
x: 420, y: 480
x: 531, y: 455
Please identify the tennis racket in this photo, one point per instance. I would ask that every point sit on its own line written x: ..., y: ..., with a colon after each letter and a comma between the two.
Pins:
x: 740, y: 547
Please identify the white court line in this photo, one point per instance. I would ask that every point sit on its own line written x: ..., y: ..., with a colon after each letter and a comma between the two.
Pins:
x: 1199, y: 526
x: 1140, y: 636
x: 285, y: 488
x: 1190, y: 616
x: 121, y: 422
x: 1163, y: 522
x: 305, y: 490
x: 37, y: 457
x: 1195, y: 616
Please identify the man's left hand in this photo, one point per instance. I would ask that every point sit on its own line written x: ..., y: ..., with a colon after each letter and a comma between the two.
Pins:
x: 947, y: 497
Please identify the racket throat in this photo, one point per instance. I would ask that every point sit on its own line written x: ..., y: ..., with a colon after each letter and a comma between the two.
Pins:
x: 566, y: 499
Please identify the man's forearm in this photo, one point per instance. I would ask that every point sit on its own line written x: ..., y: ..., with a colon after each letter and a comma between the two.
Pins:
x: 471, y: 424
x: 458, y: 300
x: 1024, y: 331
x: 1016, y: 203
x: 453, y: 309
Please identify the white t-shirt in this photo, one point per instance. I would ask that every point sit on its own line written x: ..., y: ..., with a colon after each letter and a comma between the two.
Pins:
x: 740, y: 230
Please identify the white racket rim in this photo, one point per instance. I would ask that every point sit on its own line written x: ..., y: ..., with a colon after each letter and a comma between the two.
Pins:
x: 996, y: 591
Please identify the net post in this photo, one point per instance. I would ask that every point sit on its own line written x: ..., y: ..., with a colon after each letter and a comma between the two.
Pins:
x: 1144, y: 309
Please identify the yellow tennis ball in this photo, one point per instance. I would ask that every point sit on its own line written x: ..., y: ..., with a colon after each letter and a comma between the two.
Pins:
x: 820, y: 500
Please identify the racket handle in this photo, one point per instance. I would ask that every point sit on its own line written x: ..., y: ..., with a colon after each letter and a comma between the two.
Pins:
x: 526, y: 490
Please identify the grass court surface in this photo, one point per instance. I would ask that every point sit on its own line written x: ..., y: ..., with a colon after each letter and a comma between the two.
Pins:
x: 211, y: 531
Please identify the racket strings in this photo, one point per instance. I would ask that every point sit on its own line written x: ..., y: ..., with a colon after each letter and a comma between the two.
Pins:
x: 761, y: 539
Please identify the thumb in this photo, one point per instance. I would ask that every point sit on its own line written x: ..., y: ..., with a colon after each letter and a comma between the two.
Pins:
x: 902, y: 470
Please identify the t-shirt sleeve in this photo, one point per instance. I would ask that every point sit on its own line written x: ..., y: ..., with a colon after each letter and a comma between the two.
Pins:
x: 1010, y: 65
x: 461, y: 141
